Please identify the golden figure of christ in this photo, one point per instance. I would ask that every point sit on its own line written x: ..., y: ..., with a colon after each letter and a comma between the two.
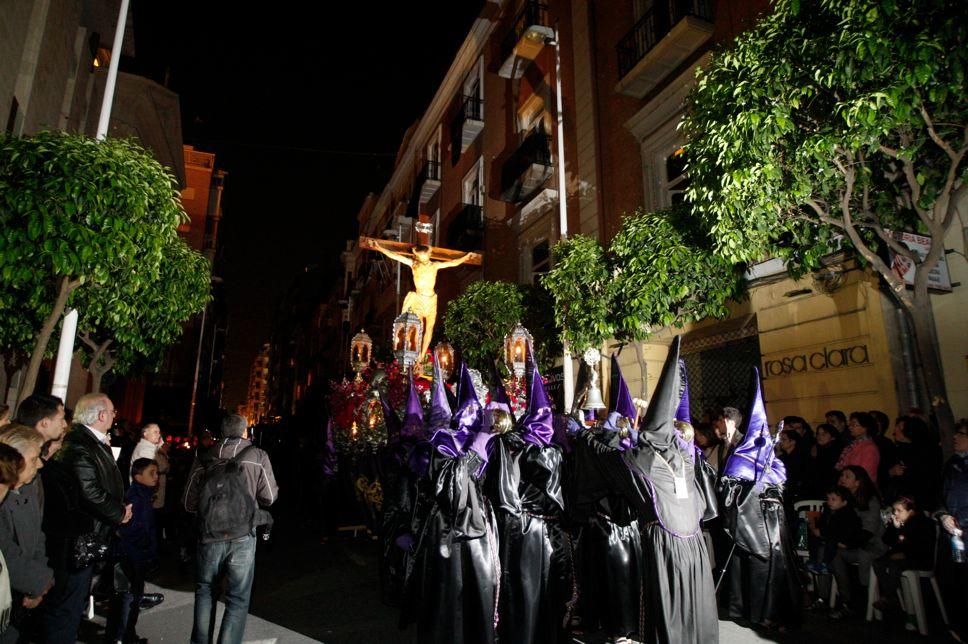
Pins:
x: 424, y: 262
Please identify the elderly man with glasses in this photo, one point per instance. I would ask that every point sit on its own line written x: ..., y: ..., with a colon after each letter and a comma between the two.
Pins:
x: 93, y: 493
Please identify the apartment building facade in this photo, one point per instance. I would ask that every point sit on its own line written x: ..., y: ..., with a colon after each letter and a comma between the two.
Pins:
x: 482, y: 166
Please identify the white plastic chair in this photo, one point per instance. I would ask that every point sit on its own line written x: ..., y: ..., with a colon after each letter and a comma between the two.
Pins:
x: 911, y: 595
x: 800, y: 508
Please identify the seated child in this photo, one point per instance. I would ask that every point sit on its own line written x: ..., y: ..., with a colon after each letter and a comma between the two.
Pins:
x: 838, y: 526
x: 138, y: 549
x: 910, y: 537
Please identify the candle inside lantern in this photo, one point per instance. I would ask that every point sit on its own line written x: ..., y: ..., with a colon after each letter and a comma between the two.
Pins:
x: 353, y: 430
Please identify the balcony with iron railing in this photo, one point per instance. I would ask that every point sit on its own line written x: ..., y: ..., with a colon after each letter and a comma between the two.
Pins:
x: 429, y: 180
x: 527, y: 169
x: 466, y: 228
x: 523, y: 43
x: 469, y: 121
x: 666, y: 35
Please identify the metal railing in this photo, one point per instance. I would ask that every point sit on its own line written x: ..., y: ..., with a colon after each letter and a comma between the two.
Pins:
x: 430, y: 171
x: 472, y: 108
x: 466, y: 230
x: 654, y: 25
x: 532, y: 13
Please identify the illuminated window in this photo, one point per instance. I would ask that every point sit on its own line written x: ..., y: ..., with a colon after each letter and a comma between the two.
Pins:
x: 675, y: 179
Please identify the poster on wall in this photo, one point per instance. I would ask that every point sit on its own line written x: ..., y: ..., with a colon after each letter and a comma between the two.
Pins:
x: 903, y: 267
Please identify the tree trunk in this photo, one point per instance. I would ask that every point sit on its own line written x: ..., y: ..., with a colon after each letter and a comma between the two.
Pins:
x: 64, y: 290
x: 101, y: 361
x: 926, y: 341
x: 96, y: 375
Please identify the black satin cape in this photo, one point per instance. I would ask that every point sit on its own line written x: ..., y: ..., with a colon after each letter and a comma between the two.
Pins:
x: 452, y: 582
x: 399, y: 502
x: 611, y: 570
x: 523, y: 482
x: 679, y: 594
x: 764, y: 585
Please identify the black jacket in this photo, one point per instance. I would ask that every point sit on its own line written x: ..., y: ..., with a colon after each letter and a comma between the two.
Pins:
x: 96, y: 480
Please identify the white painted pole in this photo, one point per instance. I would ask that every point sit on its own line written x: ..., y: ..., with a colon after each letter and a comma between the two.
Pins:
x: 65, y: 350
x: 108, y: 98
x: 568, y: 376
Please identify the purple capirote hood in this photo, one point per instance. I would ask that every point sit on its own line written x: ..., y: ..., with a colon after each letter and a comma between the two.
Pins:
x: 754, y: 459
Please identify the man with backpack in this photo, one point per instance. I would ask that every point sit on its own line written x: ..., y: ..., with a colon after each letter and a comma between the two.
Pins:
x: 229, y: 485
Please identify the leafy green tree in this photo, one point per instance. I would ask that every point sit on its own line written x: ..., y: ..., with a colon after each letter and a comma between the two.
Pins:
x: 74, y: 212
x: 129, y: 325
x: 578, y: 281
x: 667, y: 273
x: 478, y: 320
x: 838, y: 121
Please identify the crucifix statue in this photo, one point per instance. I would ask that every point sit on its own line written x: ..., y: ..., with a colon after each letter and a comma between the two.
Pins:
x: 424, y: 261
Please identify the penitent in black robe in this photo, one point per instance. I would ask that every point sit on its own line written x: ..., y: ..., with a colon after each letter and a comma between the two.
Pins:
x: 679, y: 594
x: 400, y: 494
x: 537, y: 585
x: 764, y: 586
x: 610, y: 580
x: 452, y: 585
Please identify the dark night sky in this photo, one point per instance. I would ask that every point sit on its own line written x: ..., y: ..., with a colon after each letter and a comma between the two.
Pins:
x: 305, y: 110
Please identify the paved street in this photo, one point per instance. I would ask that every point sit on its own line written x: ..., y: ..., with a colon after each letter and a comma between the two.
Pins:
x: 306, y: 592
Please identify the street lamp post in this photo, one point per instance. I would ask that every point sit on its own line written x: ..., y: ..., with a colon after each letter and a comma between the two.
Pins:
x: 567, y: 373
x: 65, y: 349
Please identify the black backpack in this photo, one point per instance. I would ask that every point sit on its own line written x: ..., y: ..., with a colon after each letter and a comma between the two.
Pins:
x: 226, y: 510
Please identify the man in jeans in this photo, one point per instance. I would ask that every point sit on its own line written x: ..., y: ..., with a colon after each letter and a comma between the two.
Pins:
x: 232, y: 557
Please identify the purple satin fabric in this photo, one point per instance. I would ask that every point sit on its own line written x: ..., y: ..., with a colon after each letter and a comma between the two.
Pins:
x: 539, y: 428
x: 446, y: 441
x: 682, y: 412
x: 754, y: 459
x: 413, y: 420
x: 611, y: 425
x: 329, y: 462
x: 623, y: 398
x: 537, y: 424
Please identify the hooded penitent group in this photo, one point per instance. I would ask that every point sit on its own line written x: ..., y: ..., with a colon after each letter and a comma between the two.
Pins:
x: 508, y: 529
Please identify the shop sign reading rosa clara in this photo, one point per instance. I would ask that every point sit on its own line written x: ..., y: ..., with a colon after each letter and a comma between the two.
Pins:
x: 820, y: 360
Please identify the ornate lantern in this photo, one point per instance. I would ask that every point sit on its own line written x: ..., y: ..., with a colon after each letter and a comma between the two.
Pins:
x: 360, y: 349
x: 444, y: 357
x: 516, y: 344
x: 407, y: 338
x: 593, y: 398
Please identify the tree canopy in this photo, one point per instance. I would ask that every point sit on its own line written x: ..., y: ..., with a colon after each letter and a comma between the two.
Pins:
x: 481, y: 316
x: 838, y: 122
x: 666, y: 273
x: 75, y: 213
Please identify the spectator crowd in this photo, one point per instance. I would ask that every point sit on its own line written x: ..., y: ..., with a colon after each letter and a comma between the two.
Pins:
x: 83, y: 514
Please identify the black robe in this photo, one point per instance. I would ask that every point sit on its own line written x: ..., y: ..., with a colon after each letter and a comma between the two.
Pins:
x: 452, y: 582
x: 610, y: 578
x: 537, y: 585
x: 399, y: 501
x: 679, y: 594
x: 764, y: 585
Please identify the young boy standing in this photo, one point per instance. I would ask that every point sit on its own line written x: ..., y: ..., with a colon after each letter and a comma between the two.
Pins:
x: 138, y: 548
